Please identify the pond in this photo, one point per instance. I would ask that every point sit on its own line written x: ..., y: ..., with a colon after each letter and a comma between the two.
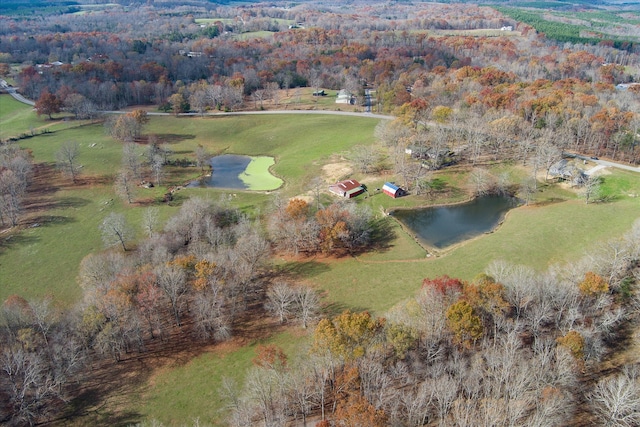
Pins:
x: 232, y: 171
x: 443, y: 226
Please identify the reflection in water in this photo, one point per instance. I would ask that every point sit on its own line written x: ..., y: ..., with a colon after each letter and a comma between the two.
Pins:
x: 446, y: 225
x: 226, y: 172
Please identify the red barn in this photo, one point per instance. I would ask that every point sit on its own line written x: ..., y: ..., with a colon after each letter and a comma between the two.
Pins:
x: 348, y: 189
x: 392, y: 190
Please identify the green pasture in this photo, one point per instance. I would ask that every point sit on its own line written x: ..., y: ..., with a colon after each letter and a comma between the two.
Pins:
x: 67, y: 229
x: 192, y: 390
x: 250, y: 35
x: 20, y: 120
x: 44, y: 259
x: 17, y: 118
x: 300, y: 144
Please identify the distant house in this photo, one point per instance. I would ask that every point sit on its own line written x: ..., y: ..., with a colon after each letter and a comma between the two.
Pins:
x: 345, y: 97
x: 393, y: 190
x: 347, y: 189
x: 562, y: 170
x: 507, y: 28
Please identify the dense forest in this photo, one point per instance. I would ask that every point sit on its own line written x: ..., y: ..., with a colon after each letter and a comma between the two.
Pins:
x: 466, y: 83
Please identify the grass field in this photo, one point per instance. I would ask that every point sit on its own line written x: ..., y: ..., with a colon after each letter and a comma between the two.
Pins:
x: 192, y: 390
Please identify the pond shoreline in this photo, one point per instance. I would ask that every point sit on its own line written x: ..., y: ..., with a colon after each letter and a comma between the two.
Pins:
x: 459, y: 223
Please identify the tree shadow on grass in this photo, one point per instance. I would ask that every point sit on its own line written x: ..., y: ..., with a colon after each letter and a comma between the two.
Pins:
x: 16, y: 239
x: 382, y: 234
x: 39, y: 204
x: 173, y: 138
x: 336, y: 308
x: 72, y: 202
x: 49, y: 220
x: 301, y: 269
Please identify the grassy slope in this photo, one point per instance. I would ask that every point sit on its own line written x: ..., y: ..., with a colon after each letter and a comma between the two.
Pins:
x: 299, y: 144
x: 192, y: 390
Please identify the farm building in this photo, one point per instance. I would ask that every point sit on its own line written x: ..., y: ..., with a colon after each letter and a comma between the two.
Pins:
x: 392, y: 190
x: 345, y: 97
x: 348, y: 189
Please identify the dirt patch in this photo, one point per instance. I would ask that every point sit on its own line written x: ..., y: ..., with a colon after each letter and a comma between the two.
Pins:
x: 334, y: 172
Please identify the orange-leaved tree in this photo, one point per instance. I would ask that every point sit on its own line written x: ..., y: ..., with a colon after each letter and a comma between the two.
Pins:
x: 347, y: 336
x: 574, y: 342
x: 593, y: 285
x: 465, y: 324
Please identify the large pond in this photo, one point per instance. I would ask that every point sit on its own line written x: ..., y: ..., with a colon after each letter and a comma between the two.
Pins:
x: 234, y: 171
x: 443, y: 226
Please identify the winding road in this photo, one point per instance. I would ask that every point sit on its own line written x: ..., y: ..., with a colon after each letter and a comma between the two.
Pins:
x: 13, y: 92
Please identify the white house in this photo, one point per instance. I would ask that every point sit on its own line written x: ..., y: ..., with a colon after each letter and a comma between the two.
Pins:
x: 345, y: 97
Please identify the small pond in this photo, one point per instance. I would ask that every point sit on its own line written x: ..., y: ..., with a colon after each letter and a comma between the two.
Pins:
x: 232, y: 171
x: 443, y: 226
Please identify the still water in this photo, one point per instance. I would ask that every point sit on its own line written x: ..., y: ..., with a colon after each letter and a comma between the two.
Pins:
x: 226, y: 172
x: 444, y: 226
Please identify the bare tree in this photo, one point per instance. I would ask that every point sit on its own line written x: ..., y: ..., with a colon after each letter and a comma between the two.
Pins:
x: 131, y: 160
x: 481, y: 181
x: 202, y: 157
x: 616, y: 400
x: 124, y: 185
x: 307, y: 305
x: 365, y: 157
x: 12, y: 191
x: 280, y: 300
x: 209, y: 312
x: 157, y: 168
x: 150, y: 220
x: 590, y: 189
x: 116, y: 230
x: 173, y: 281
x: 67, y: 159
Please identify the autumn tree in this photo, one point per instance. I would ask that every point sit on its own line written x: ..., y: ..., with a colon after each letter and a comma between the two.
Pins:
x: 48, y: 104
x: 593, y: 285
x: 179, y: 104
x: 574, y: 342
x: 348, y: 336
x: 464, y: 323
x: 356, y: 411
